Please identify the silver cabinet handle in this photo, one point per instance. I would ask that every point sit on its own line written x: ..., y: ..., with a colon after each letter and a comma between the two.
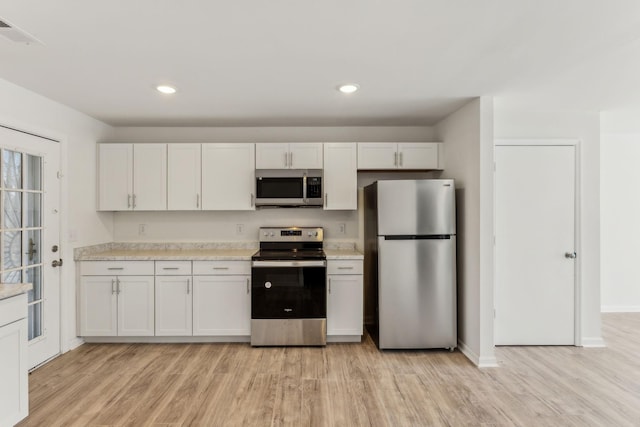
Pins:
x: 286, y: 159
x: 248, y: 286
x: 220, y: 268
x: 345, y: 268
x: 252, y: 199
x: 115, y: 268
x: 118, y: 285
x: 326, y: 199
x: 571, y: 255
x: 197, y: 200
x: 128, y: 200
x: 188, y: 286
x: 291, y: 159
x: 395, y: 159
x: 170, y: 268
x: 113, y: 287
x: 400, y: 156
x: 134, y: 201
x: 329, y: 285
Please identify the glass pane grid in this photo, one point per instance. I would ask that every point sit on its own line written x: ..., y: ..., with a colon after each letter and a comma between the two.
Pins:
x: 21, y: 230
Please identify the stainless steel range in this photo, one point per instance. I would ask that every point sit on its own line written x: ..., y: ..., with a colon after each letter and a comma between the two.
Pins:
x: 288, y: 288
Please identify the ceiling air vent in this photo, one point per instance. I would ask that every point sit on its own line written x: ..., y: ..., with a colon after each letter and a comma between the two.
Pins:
x: 15, y: 34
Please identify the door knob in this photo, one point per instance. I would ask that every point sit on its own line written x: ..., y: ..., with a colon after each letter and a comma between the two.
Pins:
x: 56, y: 263
x: 570, y: 255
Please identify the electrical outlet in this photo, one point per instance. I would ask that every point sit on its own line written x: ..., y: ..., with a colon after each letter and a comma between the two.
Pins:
x: 142, y: 229
x: 239, y: 228
x: 343, y: 228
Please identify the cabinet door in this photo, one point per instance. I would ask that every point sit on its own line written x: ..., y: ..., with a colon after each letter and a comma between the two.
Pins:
x: 222, y: 305
x: 305, y: 155
x: 183, y: 177
x: 150, y: 177
x: 135, y: 306
x: 340, y: 176
x: 344, y: 304
x: 98, y: 306
x: 115, y: 177
x: 228, y: 176
x: 174, y: 305
x: 14, y: 398
x: 272, y: 155
x: 377, y: 155
x: 421, y: 155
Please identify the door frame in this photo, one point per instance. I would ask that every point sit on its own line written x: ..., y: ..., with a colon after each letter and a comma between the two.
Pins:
x: 577, y: 286
x: 66, y: 341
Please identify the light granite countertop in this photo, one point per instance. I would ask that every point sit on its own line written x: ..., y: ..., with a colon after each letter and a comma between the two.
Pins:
x: 192, y: 251
x: 8, y: 290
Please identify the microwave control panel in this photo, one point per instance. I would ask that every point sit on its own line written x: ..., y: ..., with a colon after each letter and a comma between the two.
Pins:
x: 314, y: 187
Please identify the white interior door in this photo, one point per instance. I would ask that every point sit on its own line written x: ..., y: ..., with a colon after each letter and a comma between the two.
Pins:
x: 535, y: 239
x: 29, y: 230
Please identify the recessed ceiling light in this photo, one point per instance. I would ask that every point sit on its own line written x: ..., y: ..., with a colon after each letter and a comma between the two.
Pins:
x: 166, y: 89
x: 348, y: 88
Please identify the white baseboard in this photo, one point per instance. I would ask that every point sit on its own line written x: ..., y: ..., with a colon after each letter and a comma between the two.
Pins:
x: 593, y: 342
x: 620, y: 309
x: 484, y: 362
x: 74, y: 343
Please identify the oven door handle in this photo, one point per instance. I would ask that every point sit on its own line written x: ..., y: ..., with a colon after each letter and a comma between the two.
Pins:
x: 289, y: 264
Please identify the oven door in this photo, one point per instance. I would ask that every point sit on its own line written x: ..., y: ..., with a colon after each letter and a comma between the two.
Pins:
x: 288, y: 290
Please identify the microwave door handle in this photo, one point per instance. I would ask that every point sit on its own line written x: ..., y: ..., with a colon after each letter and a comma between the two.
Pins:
x: 304, y: 188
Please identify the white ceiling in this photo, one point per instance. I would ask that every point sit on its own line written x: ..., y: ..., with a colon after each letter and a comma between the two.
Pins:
x: 278, y: 62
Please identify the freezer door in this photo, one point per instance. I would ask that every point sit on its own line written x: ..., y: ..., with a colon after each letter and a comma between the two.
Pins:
x: 417, y: 293
x: 422, y: 207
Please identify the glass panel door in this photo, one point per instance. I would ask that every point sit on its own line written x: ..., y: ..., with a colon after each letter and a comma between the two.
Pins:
x: 29, y: 230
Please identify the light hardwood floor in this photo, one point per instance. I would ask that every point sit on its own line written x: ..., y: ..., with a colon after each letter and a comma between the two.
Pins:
x: 341, y: 385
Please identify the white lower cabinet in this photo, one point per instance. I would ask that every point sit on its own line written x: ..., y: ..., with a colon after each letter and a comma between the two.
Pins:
x: 14, y: 382
x: 222, y: 302
x: 174, y: 305
x: 117, y: 305
x: 344, y: 298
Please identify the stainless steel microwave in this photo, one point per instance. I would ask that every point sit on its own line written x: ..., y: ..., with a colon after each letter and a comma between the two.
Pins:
x: 289, y: 187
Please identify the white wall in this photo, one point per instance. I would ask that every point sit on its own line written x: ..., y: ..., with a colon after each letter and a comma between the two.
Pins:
x: 513, y: 120
x: 620, y: 210
x: 77, y: 133
x: 221, y: 226
x: 468, y: 138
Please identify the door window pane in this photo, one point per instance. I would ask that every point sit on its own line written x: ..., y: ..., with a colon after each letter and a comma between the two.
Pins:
x: 12, y: 249
x: 32, y: 248
x: 33, y: 172
x: 33, y: 276
x: 34, y: 201
x: 35, y: 320
x: 12, y: 209
x: 12, y: 276
x: 11, y: 169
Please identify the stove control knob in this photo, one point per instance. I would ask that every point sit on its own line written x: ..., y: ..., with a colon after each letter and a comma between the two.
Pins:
x: 266, y: 234
x: 272, y: 234
x: 267, y: 285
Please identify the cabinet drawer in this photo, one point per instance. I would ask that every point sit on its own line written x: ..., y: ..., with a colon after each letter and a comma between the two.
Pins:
x: 344, y: 267
x: 12, y: 309
x: 221, y: 267
x: 173, y: 268
x: 117, y: 268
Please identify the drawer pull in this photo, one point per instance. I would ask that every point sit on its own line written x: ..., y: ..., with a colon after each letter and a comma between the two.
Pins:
x: 115, y: 268
x: 345, y: 268
x: 170, y: 268
x: 188, y: 286
x: 220, y: 268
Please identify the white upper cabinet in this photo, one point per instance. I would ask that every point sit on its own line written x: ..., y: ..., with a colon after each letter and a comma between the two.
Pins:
x: 184, y: 177
x: 150, y: 177
x: 115, y: 177
x: 289, y: 156
x: 406, y: 155
x: 340, y: 176
x: 228, y: 177
x: 132, y: 177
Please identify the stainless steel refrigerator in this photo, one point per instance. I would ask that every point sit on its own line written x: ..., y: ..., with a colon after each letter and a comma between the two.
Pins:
x: 410, y: 263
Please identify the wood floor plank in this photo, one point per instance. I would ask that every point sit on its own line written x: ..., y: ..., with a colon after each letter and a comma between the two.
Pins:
x: 341, y: 385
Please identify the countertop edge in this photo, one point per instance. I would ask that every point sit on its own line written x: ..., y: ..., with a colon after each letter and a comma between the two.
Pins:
x: 8, y: 290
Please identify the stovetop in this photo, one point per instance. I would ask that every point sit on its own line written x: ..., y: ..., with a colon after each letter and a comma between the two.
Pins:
x: 290, y: 243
